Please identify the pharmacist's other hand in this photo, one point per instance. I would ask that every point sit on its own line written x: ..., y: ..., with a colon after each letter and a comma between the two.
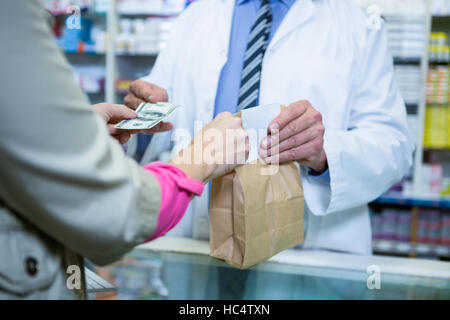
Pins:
x: 296, y: 134
x: 217, y: 149
x: 142, y: 91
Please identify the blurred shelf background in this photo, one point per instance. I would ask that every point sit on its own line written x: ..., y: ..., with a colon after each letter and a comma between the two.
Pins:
x: 109, y: 43
x: 413, y: 217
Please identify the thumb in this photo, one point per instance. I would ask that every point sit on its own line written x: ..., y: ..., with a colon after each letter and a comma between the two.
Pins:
x: 118, y: 112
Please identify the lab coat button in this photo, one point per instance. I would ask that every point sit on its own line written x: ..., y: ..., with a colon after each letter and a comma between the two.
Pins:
x: 31, y: 266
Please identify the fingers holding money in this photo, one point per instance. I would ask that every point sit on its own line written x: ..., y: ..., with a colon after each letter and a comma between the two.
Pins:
x: 131, y: 101
x: 118, y: 112
x: 113, y: 113
x: 120, y: 135
x: 124, y: 135
x: 160, y: 127
x: 142, y: 91
x: 148, y: 92
x: 149, y: 118
x: 123, y: 122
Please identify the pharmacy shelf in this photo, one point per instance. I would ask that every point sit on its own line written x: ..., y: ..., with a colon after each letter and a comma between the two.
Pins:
x: 82, y: 59
x: 87, y: 53
x: 421, y: 18
x: 410, y: 18
x: 407, y: 248
x: 439, y: 149
x: 407, y: 61
x: 438, y: 63
x: 118, y: 61
x: 146, y: 54
x: 147, y: 14
x: 400, y: 200
x: 84, y: 14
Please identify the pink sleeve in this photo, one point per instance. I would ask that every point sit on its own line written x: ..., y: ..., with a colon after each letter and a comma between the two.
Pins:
x: 176, y: 191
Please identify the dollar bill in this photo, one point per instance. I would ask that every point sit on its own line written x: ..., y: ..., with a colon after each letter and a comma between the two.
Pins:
x: 148, y: 116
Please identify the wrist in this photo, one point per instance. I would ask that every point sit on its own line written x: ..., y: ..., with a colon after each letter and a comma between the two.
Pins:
x: 193, y: 171
x: 322, y: 164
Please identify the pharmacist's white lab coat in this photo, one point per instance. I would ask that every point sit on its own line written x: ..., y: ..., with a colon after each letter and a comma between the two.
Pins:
x: 323, y: 52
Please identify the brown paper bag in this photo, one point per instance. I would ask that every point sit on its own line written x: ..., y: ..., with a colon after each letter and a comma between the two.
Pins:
x: 255, y: 216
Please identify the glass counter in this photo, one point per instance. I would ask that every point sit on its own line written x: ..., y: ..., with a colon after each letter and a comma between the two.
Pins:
x: 145, y: 274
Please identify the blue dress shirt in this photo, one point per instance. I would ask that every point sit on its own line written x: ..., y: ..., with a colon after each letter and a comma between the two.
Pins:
x: 243, y: 17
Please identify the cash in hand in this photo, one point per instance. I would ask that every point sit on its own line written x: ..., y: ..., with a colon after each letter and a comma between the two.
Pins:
x: 148, y: 116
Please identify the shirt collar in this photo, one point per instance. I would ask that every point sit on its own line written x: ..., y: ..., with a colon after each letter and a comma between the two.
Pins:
x: 288, y: 3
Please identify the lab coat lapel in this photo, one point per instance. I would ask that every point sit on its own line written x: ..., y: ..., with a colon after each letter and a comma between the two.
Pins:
x: 216, y: 57
x: 300, y: 12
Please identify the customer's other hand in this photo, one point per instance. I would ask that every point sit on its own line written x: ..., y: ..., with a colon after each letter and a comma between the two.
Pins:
x: 217, y: 149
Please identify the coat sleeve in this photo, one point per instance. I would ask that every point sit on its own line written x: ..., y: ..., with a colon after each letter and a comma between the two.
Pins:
x: 375, y: 150
x: 59, y: 168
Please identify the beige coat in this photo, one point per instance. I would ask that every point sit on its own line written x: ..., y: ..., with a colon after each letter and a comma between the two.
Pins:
x: 67, y: 190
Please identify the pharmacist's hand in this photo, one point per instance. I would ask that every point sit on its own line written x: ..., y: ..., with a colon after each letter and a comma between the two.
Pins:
x: 296, y: 134
x: 217, y: 149
x: 142, y: 91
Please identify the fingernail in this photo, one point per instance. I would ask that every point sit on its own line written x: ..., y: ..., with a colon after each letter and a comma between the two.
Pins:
x: 149, y: 98
x: 275, y: 126
x: 267, y: 159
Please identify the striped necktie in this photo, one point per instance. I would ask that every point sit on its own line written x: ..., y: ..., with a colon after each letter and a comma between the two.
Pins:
x: 256, y: 47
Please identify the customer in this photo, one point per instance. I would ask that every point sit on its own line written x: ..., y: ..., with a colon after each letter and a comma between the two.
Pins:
x: 67, y: 190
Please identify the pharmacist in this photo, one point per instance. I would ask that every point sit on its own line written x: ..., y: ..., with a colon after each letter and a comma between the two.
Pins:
x: 345, y: 123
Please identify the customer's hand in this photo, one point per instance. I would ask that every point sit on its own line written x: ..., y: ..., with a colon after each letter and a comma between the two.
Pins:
x: 114, y: 113
x: 217, y: 149
x: 299, y: 131
x: 142, y: 91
